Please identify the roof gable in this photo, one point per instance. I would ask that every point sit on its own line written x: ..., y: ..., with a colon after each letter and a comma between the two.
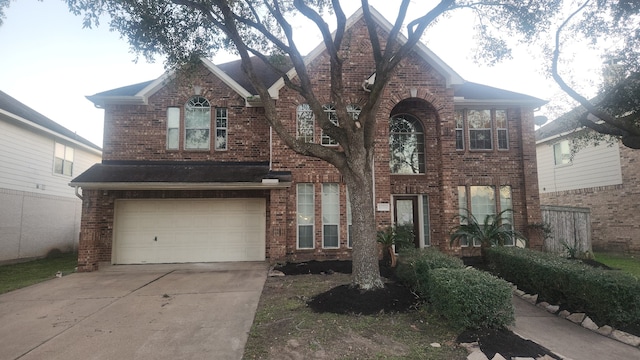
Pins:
x: 13, y: 110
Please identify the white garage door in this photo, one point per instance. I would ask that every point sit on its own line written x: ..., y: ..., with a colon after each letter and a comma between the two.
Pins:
x: 194, y: 230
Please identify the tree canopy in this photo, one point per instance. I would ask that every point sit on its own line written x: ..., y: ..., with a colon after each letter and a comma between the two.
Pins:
x: 614, y: 27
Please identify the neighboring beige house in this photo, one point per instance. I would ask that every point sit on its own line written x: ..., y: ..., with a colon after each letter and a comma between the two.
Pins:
x: 603, y: 178
x: 39, y: 212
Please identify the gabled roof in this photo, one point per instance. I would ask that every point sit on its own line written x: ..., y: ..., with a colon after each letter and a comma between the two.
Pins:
x: 17, y: 112
x: 231, y: 73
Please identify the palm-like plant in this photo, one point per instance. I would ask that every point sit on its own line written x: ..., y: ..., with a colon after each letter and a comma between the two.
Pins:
x: 495, y: 230
x: 399, y: 235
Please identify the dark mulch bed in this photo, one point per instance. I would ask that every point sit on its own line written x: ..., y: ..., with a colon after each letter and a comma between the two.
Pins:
x: 505, y: 342
x: 398, y: 298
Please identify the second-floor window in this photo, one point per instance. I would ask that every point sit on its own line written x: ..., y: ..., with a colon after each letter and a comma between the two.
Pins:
x: 304, y: 123
x: 197, y: 124
x: 221, y: 128
x: 406, y: 145
x: 481, y: 126
x: 63, y: 160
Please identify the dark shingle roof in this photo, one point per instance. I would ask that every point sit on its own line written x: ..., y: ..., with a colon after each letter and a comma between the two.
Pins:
x: 474, y: 91
x: 19, y: 109
x: 179, y: 172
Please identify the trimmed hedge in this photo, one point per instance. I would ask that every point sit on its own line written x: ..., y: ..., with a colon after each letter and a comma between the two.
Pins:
x: 414, y: 266
x: 608, y: 297
x: 467, y: 297
x: 471, y: 299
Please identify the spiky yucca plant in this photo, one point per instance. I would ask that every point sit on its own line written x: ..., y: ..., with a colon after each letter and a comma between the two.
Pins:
x: 495, y: 230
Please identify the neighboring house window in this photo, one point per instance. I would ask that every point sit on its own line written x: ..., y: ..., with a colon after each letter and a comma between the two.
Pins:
x: 305, y: 216
x: 459, y: 130
x: 63, y: 160
x: 197, y: 124
x: 330, y: 216
x: 304, y: 123
x: 330, y: 111
x: 173, y: 128
x: 562, y: 152
x: 406, y: 143
x: 503, y: 132
x: 479, y: 129
x: 481, y: 201
x: 222, y: 119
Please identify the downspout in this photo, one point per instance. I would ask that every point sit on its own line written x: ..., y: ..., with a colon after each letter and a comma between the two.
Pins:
x: 78, y: 193
x: 270, y: 147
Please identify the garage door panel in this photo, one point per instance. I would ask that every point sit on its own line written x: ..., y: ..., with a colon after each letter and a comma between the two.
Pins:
x: 192, y: 230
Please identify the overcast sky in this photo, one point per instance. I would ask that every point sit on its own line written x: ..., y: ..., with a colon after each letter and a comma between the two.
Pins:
x: 49, y: 63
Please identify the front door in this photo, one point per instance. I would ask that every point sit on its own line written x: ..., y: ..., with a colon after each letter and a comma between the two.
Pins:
x: 406, y: 213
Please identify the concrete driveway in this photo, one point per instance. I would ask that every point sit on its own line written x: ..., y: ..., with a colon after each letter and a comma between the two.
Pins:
x: 184, y: 311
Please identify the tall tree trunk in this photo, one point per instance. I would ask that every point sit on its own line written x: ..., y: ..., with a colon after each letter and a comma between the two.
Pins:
x: 365, y: 271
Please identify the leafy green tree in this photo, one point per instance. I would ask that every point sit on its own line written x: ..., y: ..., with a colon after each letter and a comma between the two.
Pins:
x: 614, y: 25
x: 183, y: 30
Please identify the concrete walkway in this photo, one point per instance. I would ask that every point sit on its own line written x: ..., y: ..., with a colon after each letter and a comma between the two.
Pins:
x: 565, y: 338
x: 186, y: 311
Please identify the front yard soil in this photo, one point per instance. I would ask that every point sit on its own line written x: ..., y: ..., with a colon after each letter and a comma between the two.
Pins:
x: 316, y: 315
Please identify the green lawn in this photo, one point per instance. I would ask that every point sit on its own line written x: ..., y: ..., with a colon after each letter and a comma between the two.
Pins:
x: 16, y: 276
x: 628, y: 263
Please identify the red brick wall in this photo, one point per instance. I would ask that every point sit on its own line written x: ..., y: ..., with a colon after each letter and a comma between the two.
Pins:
x: 139, y: 133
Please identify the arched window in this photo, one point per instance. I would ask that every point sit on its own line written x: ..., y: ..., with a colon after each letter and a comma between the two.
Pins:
x: 197, y: 123
x: 406, y: 145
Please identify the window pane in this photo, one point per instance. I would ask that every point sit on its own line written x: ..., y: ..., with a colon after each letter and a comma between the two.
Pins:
x: 501, y: 119
x: 503, y: 140
x: 462, y: 207
x: 503, y: 132
x: 173, y: 117
x: 330, y: 214
x: 459, y: 129
x: 562, y: 152
x: 479, y: 129
x: 483, y: 203
x: 197, y: 139
x: 59, y: 151
x: 67, y: 168
x: 221, y: 129
x: 173, y: 138
x: 330, y: 111
x: 406, y: 143
x: 426, y: 226
x: 68, y: 153
x: 304, y: 123
x: 505, y: 204
x: 305, y: 212
x: 57, y: 165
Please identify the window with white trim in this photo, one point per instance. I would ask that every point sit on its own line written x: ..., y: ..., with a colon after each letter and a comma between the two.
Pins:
x: 304, y: 123
x: 222, y: 120
x: 459, y: 130
x: 480, y: 136
x: 305, y: 215
x: 173, y: 128
x: 562, y: 152
x: 63, y: 159
x: 349, y: 223
x: 501, y: 128
x: 197, y: 124
x: 330, y: 216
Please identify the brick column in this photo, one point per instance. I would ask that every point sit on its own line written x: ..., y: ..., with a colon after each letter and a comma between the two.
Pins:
x: 276, y: 236
x: 88, y: 250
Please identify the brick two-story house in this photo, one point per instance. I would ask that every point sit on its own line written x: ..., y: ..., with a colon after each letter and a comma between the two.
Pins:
x: 191, y: 171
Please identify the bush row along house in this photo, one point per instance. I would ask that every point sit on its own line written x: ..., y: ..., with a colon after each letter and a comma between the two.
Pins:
x: 39, y: 212
x: 191, y: 171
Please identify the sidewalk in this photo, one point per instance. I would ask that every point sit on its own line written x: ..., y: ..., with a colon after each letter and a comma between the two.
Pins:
x: 564, y: 338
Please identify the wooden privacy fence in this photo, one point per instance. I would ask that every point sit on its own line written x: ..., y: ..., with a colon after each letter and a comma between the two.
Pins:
x: 570, y: 225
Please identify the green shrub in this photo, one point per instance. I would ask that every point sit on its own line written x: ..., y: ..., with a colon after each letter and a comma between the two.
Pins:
x: 470, y: 298
x: 608, y: 297
x: 414, y: 266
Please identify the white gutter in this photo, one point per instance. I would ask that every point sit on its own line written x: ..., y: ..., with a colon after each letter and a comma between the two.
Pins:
x: 270, y: 148
x: 268, y: 184
x: 77, y: 192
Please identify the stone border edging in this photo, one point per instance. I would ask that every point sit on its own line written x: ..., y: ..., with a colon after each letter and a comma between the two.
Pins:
x: 580, y: 319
